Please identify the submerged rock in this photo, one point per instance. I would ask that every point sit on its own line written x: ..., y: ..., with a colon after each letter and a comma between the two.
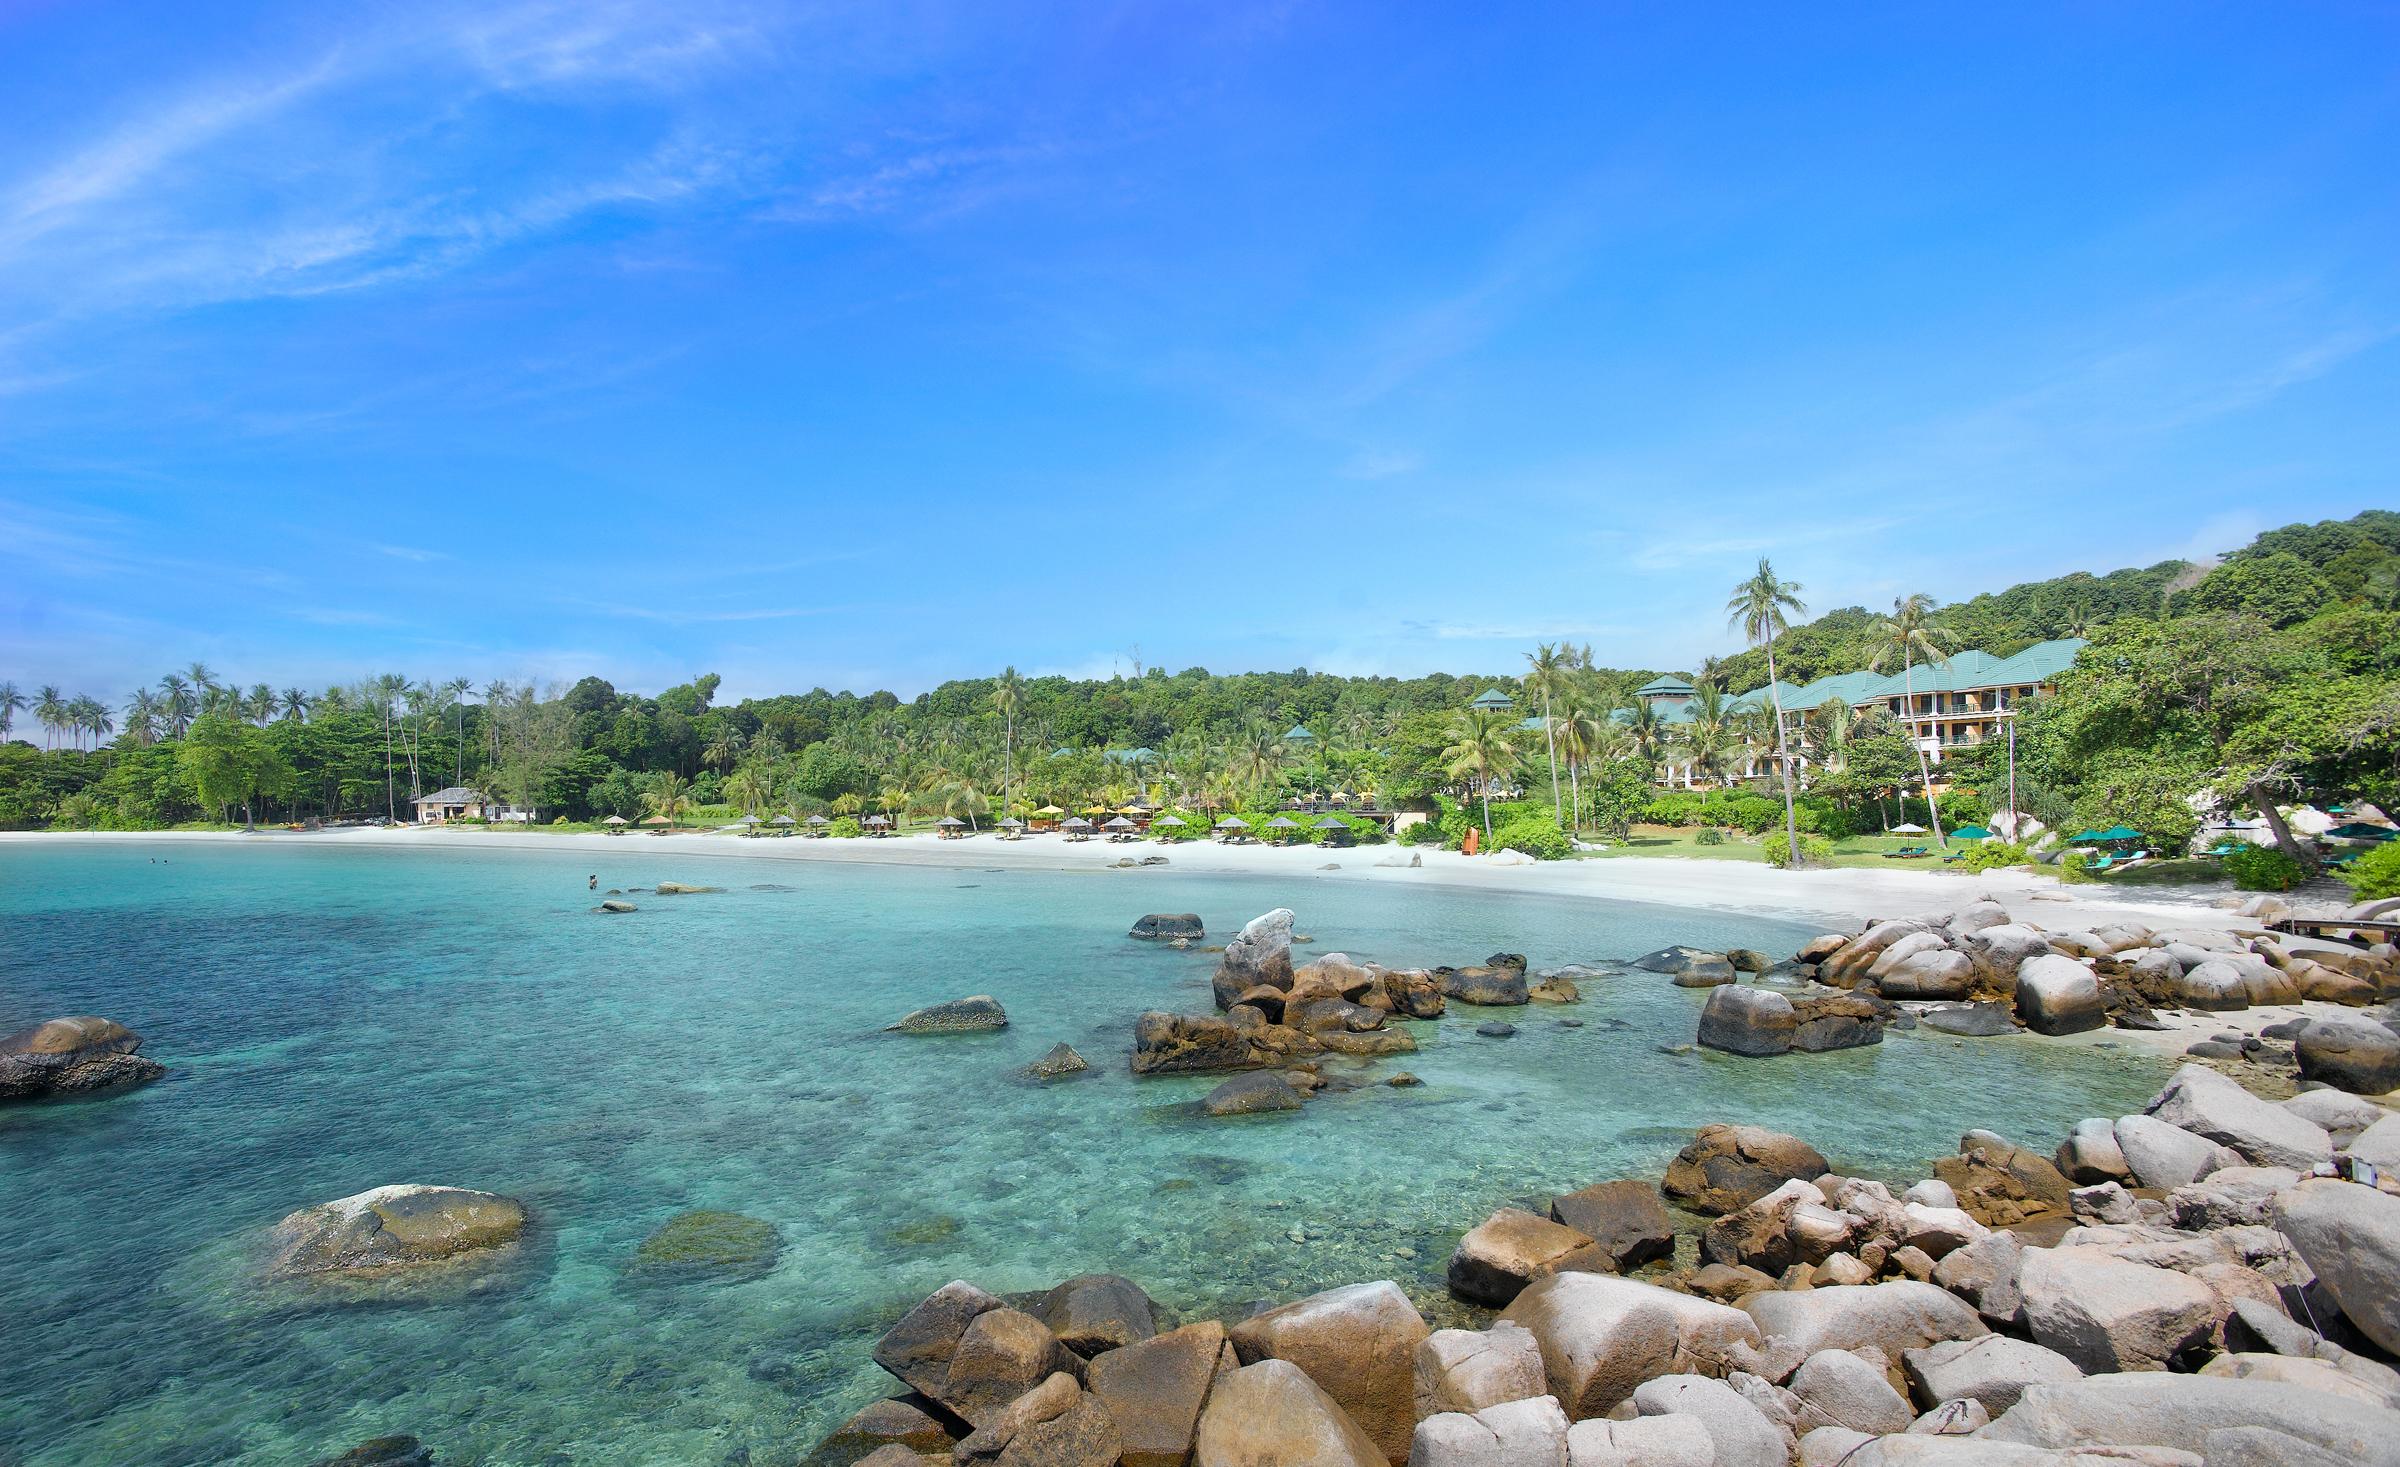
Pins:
x: 959, y: 1016
x: 677, y: 888
x: 1625, y: 1220
x: 709, y: 1243
x: 1492, y: 987
x: 384, y: 1451
x: 1167, y: 926
x: 1252, y: 1094
x: 1061, y: 1061
x: 73, y: 1056
x: 616, y: 904
x: 393, y: 1226
x: 1976, y: 1020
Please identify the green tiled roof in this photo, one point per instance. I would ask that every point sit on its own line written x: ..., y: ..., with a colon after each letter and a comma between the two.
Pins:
x: 1669, y: 685
x: 2040, y: 662
x: 1961, y: 672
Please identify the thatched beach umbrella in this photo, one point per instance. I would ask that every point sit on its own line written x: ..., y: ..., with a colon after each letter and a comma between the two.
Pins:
x: 1233, y: 822
x: 1329, y: 823
x: 658, y: 820
x: 1077, y: 822
x: 818, y: 820
x: 616, y: 820
x: 1012, y: 823
x: 1283, y: 822
x: 1166, y: 822
x: 877, y: 820
x: 749, y: 820
x: 1120, y: 823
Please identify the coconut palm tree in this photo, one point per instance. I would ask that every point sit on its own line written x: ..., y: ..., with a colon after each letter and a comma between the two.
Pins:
x: 750, y: 787
x: 203, y: 680
x: 1826, y: 730
x: 1583, y: 728
x: 1008, y: 700
x: 295, y: 705
x: 12, y: 703
x: 382, y: 691
x: 142, y: 716
x: 1710, y: 735
x: 90, y: 716
x: 1481, y: 749
x: 178, y: 704
x: 455, y: 691
x: 669, y: 796
x: 1759, y: 606
x: 1548, y: 671
x: 1650, y: 732
x: 495, y: 692
x: 724, y: 750
x: 1256, y: 753
x: 1909, y: 635
x: 50, y: 707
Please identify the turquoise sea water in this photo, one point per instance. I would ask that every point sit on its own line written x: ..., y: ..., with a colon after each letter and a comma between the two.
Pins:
x: 340, y: 1018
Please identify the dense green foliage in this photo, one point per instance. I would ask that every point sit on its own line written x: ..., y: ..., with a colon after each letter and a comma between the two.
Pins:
x: 2264, y: 868
x: 2376, y: 874
x: 2270, y: 678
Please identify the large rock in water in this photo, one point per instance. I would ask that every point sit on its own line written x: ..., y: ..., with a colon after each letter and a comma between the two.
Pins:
x: 1679, y: 961
x: 1359, y: 1344
x: 897, y: 1421
x: 2350, y: 1054
x: 1833, y: 1019
x: 1749, y: 1021
x: 2058, y: 995
x: 1154, y: 1390
x: 1167, y: 926
x: 1499, y: 1256
x: 2211, y: 1105
x: 1260, y: 956
x: 1492, y: 987
x: 1201, y: 1044
x: 2349, y: 1235
x: 1934, y: 973
x: 967, y: 1350
x: 2179, y: 1412
x: 959, y: 1016
x: 1625, y: 1220
x: 1725, y: 1168
x: 73, y: 1056
x: 1467, y: 1370
x: 1601, y: 1336
x: 1249, y: 1095
x: 1095, y: 1312
x: 1272, y: 1414
x: 393, y: 1227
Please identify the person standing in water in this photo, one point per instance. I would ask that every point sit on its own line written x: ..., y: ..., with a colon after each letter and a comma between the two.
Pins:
x: 592, y: 885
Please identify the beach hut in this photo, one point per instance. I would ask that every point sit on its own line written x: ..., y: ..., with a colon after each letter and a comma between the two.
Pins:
x: 616, y: 824
x: 1299, y: 735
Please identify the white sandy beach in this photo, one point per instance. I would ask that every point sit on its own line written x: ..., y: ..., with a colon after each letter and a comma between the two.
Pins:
x: 1842, y: 897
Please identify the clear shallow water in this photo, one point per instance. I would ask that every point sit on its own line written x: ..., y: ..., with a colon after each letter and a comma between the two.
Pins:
x: 337, y: 1019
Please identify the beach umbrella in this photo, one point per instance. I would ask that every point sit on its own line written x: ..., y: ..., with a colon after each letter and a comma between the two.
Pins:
x: 657, y: 820
x: 1169, y: 821
x: 1329, y: 823
x: 2357, y: 830
x: 1120, y: 823
x: 949, y: 822
x: 616, y: 820
x: 1970, y: 832
x: 1283, y: 822
x: 1077, y: 822
x: 1095, y: 809
x: 1233, y: 822
x: 2120, y: 832
x: 1012, y: 823
x: 785, y: 820
x: 749, y: 820
x: 877, y: 820
x: 1906, y: 828
x: 1050, y: 810
x: 818, y: 820
x: 2085, y: 837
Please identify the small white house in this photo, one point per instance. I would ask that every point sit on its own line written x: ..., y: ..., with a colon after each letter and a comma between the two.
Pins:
x: 455, y: 803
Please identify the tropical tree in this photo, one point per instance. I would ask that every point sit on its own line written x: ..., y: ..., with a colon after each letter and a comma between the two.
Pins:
x: 1759, y: 606
x: 456, y: 691
x: 1585, y: 730
x: 1008, y: 700
x: 1546, y: 676
x: 751, y: 786
x: 141, y: 717
x: 1649, y: 732
x: 669, y: 795
x: 12, y: 703
x: 50, y: 707
x: 89, y: 716
x: 259, y: 705
x: 295, y: 705
x: 1711, y: 734
x: 178, y: 704
x: 1910, y: 636
x: 385, y: 688
x: 1481, y: 749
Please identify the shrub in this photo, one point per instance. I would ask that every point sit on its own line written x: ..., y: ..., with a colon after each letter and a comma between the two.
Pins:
x: 1709, y: 836
x: 2075, y: 866
x: 1423, y: 833
x: 1676, y: 807
x: 1537, y: 836
x: 2374, y: 875
x: 846, y: 827
x: 1993, y: 854
x: 2264, y: 868
x: 1815, y: 850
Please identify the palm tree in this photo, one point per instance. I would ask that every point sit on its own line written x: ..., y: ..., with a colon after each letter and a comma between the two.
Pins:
x: 295, y: 705
x: 493, y: 693
x: 1256, y: 753
x: 383, y: 690
x: 204, y: 682
x: 1008, y: 699
x: 1827, y: 731
x: 259, y: 706
x: 1649, y: 731
x: 669, y: 796
x: 12, y: 703
x: 1713, y: 670
x: 456, y: 691
x: 1481, y: 750
x: 724, y: 750
x: 1910, y: 635
x: 50, y: 706
x: 750, y: 787
x: 89, y: 716
x: 1584, y: 728
x: 1710, y: 735
x: 141, y: 717
x: 178, y: 704
x: 1758, y: 606
x: 1549, y: 671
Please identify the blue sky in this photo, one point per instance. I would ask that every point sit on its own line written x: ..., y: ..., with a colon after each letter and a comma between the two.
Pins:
x: 865, y: 346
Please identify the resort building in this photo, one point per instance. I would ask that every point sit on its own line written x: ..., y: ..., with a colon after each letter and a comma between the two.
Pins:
x: 455, y: 803
x: 1957, y: 703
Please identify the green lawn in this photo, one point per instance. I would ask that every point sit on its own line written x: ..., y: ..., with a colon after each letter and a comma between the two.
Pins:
x: 1676, y: 842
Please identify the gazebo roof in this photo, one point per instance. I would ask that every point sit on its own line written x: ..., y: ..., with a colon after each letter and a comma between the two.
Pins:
x: 1492, y: 700
x: 1299, y: 732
